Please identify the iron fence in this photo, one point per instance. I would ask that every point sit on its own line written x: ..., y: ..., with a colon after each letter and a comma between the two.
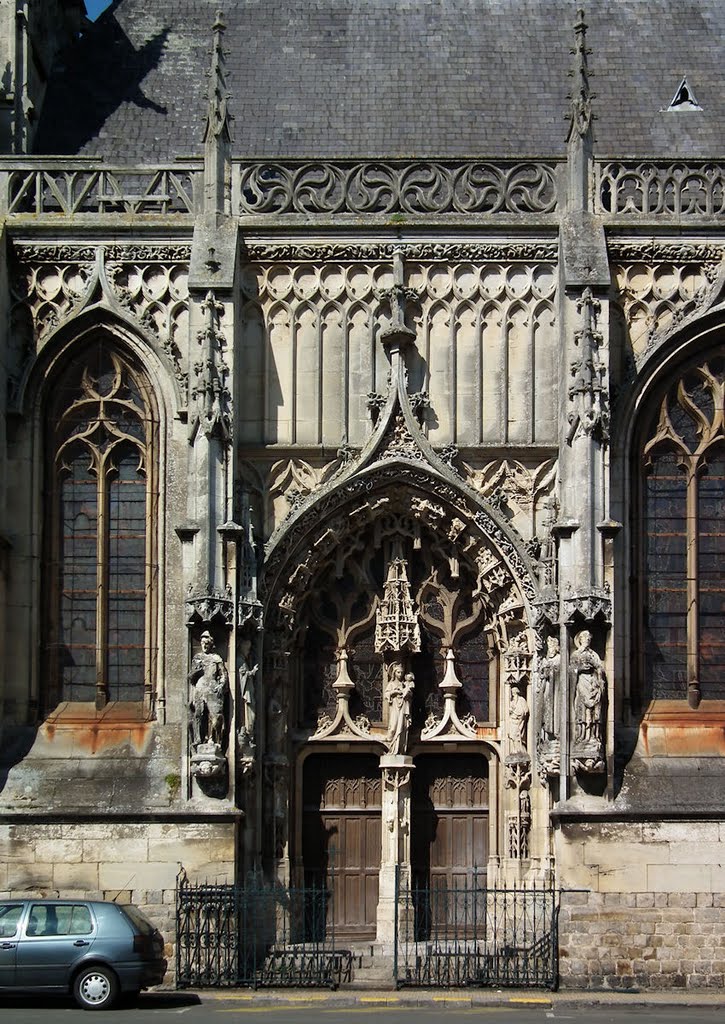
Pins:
x: 450, y: 936
x: 257, y: 935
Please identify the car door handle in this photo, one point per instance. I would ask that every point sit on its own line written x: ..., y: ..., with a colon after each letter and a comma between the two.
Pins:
x: 8, y: 945
x: 81, y: 942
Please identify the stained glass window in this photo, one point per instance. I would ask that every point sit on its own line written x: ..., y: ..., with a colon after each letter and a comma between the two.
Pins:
x: 683, y: 538
x: 101, y: 436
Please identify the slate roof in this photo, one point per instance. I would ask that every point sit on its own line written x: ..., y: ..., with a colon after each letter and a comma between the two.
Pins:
x: 407, y: 78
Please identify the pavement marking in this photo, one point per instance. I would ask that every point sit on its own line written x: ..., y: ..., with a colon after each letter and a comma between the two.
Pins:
x: 539, y: 1000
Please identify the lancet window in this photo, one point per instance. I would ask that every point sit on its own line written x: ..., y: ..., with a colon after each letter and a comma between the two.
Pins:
x: 102, y: 496
x: 682, y: 536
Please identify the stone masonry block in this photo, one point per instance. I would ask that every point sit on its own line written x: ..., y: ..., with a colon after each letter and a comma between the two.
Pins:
x: 632, y: 878
x: 68, y: 851
x: 131, y: 875
x: 679, y: 878
x: 129, y: 850
x: 71, y: 877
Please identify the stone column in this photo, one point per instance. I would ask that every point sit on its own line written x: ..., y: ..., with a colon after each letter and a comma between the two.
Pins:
x: 397, y: 770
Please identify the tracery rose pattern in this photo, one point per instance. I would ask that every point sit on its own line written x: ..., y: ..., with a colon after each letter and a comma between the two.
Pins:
x: 410, y: 187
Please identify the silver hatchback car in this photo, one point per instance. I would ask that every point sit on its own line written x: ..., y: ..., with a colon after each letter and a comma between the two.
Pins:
x: 94, y: 950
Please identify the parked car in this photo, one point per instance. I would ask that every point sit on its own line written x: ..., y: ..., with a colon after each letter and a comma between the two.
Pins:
x: 94, y: 950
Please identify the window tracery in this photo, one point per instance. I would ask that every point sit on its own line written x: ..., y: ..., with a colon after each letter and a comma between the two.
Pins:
x: 101, y: 441
x: 341, y: 612
x: 683, y: 538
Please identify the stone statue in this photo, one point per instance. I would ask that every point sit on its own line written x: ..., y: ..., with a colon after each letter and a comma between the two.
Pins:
x: 518, y: 717
x: 588, y: 683
x: 209, y: 681
x: 399, y: 694
x: 549, y: 690
x: 247, y: 673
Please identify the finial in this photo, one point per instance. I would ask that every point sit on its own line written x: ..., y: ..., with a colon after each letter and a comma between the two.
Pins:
x: 217, y: 118
x: 580, y: 108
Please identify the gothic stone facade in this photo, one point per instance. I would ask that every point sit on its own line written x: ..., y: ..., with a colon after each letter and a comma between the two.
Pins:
x: 339, y: 497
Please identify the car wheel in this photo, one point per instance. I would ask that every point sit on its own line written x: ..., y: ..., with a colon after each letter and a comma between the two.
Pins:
x: 95, y: 988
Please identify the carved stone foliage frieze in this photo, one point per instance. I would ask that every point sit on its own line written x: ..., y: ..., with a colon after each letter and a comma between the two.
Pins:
x: 146, y: 283
x: 294, y: 252
x: 657, y: 290
x: 413, y: 187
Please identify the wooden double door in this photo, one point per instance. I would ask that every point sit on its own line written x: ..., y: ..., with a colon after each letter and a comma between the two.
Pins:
x: 341, y: 833
x: 341, y: 838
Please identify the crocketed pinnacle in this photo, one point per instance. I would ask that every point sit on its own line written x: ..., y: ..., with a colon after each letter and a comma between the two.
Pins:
x: 580, y: 107
x: 217, y: 118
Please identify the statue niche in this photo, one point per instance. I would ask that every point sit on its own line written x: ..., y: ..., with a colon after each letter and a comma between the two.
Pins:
x: 208, y: 707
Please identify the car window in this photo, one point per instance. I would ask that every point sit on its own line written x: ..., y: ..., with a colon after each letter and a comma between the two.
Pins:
x: 64, y: 919
x: 9, y: 917
x: 140, y: 920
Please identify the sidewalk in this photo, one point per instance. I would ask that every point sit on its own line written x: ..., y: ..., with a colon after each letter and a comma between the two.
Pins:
x: 460, y: 998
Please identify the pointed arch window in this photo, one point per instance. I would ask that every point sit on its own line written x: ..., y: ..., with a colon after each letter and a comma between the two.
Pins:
x: 101, y: 482
x: 682, y: 550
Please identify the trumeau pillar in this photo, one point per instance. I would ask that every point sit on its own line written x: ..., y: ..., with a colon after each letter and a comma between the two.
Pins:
x: 584, y: 592
x: 397, y: 636
x: 211, y: 572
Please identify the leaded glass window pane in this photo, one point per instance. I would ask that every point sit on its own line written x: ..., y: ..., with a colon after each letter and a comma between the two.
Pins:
x: 101, y: 437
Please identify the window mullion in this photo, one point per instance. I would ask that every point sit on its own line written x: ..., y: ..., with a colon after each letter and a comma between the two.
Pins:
x: 102, y: 587
x: 694, y: 694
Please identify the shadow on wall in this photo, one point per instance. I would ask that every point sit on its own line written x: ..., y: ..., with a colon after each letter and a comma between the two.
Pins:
x: 93, y: 78
x: 17, y: 742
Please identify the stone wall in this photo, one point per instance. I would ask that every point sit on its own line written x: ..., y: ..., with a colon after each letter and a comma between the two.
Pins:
x: 650, y: 910
x: 131, y: 862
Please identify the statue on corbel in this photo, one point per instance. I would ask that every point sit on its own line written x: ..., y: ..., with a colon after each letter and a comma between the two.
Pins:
x: 548, y: 714
x: 588, y: 690
x: 246, y: 677
x: 208, y: 707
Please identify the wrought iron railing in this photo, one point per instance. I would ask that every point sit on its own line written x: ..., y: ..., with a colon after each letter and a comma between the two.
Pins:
x: 70, y: 190
x: 470, y: 935
x: 648, y: 188
x: 397, y: 187
x: 257, y: 935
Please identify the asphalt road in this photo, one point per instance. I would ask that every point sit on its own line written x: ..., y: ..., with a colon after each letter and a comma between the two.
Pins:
x: 216, y: 1009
